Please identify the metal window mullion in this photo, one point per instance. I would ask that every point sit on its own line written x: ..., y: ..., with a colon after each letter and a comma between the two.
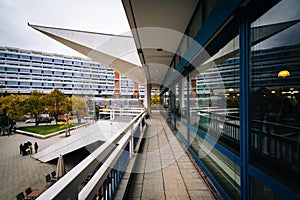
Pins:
x: 187, y: 114
x: 244, y: 50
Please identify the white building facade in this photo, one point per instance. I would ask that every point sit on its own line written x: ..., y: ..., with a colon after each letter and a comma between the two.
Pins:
x: 22, y: 71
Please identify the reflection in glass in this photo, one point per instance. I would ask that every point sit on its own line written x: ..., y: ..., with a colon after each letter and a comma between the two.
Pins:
x: 275, y: 96
x: 264, y: 192
x: 226, y: 172
x: 214, y: 113
x: 214, y: 97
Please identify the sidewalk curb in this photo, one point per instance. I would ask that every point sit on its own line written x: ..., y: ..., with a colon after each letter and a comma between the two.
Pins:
x: 49, y: 135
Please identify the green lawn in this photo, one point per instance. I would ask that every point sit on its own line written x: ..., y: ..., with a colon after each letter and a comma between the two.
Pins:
x: 44, y: 129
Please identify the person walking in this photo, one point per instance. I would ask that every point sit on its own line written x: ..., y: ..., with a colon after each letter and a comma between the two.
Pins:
x: 21, y: 148
x: 36, y: 146
x: 29, y: 146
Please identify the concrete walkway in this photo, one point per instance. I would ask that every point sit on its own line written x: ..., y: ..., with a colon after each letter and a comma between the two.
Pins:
x: 163, y: 170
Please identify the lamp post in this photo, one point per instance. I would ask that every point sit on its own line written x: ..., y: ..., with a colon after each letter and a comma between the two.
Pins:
x: 67, y: 125
x: 8, y: 126
x: 2, y: 86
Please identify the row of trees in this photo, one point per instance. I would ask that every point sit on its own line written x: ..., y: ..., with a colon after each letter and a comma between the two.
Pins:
x: 54, y: 103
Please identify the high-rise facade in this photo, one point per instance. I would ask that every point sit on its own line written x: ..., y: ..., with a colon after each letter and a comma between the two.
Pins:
x: 22, y: 71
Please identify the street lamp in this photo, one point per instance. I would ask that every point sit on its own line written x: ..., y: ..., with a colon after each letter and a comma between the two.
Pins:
x: 2, y: 86
x: 8, y: 126
x: 67, y: 125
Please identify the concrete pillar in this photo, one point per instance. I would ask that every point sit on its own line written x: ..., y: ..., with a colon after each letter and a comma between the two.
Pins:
x: 147, y: 98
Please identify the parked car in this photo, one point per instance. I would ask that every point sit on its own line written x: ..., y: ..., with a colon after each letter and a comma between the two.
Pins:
x: 45, y: 120
x: 31, y: 120
x: 61, y: 118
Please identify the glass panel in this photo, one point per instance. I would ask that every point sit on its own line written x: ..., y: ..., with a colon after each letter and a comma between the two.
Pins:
x: 181, y: 103
x: 264, y: 192
x: 36, y: 58
x: 35, y: 71
x: 68, y: 62
x: 9, y: 83
x: 57, y: 73
x: 9, y: 69
x: 178, y: 100
x: 24, y: 57
x: 196, y: 21
x: 24, y: 83
x: 25, y: 70
x: 47, y: 72
x: 47, y: 60
x: 275, y: 97
x: 12, y: 55
x: 214, y: 98
x: 36, y: 84
x: 214, y: 113
x: 57, y: 61
x: 226, y: 173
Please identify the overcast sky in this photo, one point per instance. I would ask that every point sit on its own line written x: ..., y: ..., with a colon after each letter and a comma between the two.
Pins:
x: 104, y: 16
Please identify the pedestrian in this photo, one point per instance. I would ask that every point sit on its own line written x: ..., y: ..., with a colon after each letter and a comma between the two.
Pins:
x: 29, y: 146
x: 36, y: 146
x: 25, y: 149
x: 8, y: 131
x: 21, y: 148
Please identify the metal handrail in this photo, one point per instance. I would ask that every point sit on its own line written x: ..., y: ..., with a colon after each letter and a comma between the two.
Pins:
x: 119, y: 112
x: 67, y: 186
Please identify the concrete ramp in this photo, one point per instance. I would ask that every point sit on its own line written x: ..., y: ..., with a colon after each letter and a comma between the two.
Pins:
x: 81, y: 137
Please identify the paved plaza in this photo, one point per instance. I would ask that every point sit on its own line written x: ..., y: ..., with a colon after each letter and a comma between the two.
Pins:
x: 163, y: 169
x: 20, y: 172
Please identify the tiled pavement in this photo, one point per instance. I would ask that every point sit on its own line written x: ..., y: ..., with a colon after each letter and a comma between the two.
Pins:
x: 164, y: 170
x: 20, y: 172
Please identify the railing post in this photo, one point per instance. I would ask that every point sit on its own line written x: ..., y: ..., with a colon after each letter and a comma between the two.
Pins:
x: 112, y: 112
x: 131, y: 145
x: 141, y: 126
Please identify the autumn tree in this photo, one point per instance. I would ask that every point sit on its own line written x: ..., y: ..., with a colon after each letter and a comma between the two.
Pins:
x: 11, y: 108
x: 35, y: 105
x: 57, y: 103
x: 97, y: 111
x: 79, y: 106
x: 155, y: 99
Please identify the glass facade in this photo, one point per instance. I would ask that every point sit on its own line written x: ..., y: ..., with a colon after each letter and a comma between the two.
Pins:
x: 239, y: 110
x: 214, y: 116
x: 275, y: 97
